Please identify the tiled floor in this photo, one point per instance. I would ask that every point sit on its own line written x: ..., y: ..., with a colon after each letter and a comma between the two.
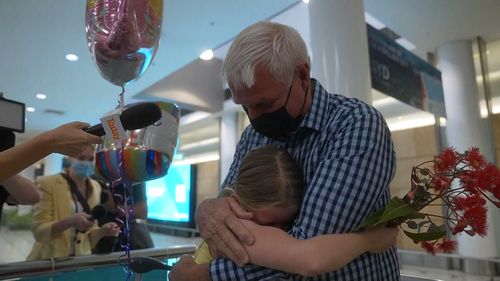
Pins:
x: 443, y: 275
x: 18, y: 244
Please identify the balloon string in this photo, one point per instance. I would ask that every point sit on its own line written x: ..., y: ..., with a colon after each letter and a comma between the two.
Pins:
x: 126, y: 230
x: 121, y: 98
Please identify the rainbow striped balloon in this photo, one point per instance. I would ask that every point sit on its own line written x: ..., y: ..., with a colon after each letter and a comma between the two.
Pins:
x: 147, y: 153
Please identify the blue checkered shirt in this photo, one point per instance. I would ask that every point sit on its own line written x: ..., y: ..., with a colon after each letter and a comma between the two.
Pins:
x: 345, y: 150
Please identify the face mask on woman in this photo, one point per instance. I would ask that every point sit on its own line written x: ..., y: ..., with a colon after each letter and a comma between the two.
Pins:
x: 83, y: 168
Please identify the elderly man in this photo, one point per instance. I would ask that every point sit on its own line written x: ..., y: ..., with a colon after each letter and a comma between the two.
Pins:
x: 342, y: 145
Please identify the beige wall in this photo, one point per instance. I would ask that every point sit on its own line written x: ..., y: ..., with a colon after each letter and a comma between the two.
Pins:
x: 496, y: 134
x: 412, y: 146
x: 207, y: 181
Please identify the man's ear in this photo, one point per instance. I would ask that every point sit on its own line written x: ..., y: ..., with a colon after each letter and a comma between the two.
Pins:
x: 304, y: 71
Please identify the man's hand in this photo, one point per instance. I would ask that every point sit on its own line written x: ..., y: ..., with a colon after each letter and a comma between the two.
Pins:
x: 70, y: 139
x: 186, y: 270
x: 219, y: 225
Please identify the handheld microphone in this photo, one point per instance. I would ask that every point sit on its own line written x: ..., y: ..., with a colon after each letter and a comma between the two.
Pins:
x: 135, y: 117
x: 99, y: 212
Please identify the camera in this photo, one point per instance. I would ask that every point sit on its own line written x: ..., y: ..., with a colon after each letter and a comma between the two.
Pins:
x: 12, y: 115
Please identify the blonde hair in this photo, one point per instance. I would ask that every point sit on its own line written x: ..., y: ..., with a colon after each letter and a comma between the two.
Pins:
x: 277, y: 46
x: 268, y: 176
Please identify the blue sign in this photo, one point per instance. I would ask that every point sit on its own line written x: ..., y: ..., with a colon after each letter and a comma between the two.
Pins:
x: 402, y: 75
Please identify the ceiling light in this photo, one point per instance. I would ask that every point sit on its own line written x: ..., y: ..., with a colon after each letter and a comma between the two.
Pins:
x: 207, y: 54
x: 199, y: 143
x: 405, y: 43
x: 305, y: 1
x: 384, y: 102
x: 41, y: 96
x: 71, y: 57
x: 442, y: 121
x: 373, y: 21
x: 410, y: 121
x: 195, y: 159
x: 30, y: 109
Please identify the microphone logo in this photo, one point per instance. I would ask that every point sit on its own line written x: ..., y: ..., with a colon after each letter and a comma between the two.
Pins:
x: 114, y: 128
x: 115, y: 134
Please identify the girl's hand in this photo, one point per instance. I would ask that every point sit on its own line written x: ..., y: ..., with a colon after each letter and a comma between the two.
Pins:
x: 380, y: 239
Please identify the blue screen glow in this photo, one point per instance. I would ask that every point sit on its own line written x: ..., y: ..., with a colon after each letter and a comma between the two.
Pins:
x: 169, y: 197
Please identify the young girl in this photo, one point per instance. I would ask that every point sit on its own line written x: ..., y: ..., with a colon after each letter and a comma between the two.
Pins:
x: 269, y: 184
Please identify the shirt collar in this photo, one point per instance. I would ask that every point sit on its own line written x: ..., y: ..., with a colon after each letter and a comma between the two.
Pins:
x: 316, y: 117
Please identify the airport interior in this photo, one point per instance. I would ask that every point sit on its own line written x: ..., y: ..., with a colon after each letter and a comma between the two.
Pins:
x: 431, y: 68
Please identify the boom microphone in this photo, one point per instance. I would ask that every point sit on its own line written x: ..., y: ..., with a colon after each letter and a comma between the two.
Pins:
x: 135, y: 117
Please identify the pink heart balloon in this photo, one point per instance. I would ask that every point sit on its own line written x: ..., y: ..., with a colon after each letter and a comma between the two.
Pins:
x: 123, y: 36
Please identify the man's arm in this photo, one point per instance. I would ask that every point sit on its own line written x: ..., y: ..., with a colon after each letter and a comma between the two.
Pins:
x: 217, y: 219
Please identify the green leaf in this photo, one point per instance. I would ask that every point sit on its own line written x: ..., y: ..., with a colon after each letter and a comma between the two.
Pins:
x: 396, y: 209
x: 427, y: 236
x: 371, y: 219
x: 435, y: 228
x: 415, y: 215
x: 412, y: 224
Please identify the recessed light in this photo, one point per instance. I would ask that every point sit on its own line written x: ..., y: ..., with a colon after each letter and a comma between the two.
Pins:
x: 371, y: 20
x: 305, y: 1
x: 207, y: 54
x: 30, y: 109
x: 41, y: 96
x: 71, y: 57
x: 405, y: 43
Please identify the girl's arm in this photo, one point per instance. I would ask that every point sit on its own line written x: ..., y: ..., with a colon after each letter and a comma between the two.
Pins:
x: 274, y: 248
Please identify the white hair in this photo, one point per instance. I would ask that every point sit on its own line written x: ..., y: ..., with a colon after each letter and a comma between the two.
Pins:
x: 277, y: 46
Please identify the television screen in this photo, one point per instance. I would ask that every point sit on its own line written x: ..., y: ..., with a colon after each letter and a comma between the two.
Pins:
x: 171, y: 198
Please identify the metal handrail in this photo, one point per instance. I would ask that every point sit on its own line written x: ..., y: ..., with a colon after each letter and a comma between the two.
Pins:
x: 51, y: 266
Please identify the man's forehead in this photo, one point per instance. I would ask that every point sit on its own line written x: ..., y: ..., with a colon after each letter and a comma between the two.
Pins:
x: 262, y: 90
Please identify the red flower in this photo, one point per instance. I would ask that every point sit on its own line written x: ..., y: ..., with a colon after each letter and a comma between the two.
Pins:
x: 476, y: 181
x: 487, y: 178
x: 463, y: 203
x: 441, y: 183
x: 474, y: 157
x: 446, y: 160
x: 459, y: 227
x: 476, y: 218
x: 428, y: 247
x: 447, y: 246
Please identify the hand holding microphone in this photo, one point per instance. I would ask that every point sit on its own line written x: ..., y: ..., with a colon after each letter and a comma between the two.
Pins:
x: 132, y: 118
x: 68, y: 139
x: 108, y: 229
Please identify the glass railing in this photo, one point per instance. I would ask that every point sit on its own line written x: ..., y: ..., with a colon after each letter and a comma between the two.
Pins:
x: 93, y: 267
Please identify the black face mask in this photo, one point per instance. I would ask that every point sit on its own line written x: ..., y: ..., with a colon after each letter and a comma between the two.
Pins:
x: 278, y: 123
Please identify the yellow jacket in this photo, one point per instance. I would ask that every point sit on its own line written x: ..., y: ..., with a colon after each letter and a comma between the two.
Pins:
x: 56, y: 205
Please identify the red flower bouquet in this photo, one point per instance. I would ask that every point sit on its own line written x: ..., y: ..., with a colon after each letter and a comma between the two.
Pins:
x: 462, y: 182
